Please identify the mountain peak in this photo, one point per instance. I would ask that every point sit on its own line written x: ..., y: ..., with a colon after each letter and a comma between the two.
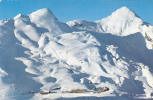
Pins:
x: 124, y: 8
x: 44, y: 18
x: 121, y: 21
x: 18, y: 16
x: 125, y: 12
x: 44, y: 10
x: 43, y: 13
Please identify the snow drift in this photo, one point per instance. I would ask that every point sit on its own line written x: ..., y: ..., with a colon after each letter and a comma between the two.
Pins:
x: 39, y: 53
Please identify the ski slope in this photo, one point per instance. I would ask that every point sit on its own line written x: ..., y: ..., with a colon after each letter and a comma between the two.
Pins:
x: 40, y: 53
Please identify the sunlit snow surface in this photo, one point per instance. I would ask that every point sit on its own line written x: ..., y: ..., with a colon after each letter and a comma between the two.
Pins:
x: 39, y: 53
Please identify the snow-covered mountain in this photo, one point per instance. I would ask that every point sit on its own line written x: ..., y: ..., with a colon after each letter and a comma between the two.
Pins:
x: 39, y: 53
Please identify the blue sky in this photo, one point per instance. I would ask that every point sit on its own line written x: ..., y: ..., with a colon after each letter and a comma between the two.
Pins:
x: 68, y: 10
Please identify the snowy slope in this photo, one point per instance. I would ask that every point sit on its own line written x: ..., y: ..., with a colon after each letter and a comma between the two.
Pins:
x: 122, y: 22
x: 39, y: 53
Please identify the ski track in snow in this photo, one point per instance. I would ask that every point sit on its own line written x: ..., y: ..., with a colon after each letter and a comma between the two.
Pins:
x: 39, y: 53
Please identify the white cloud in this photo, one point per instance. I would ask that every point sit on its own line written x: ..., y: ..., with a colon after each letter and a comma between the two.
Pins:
x: 0, y: 0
